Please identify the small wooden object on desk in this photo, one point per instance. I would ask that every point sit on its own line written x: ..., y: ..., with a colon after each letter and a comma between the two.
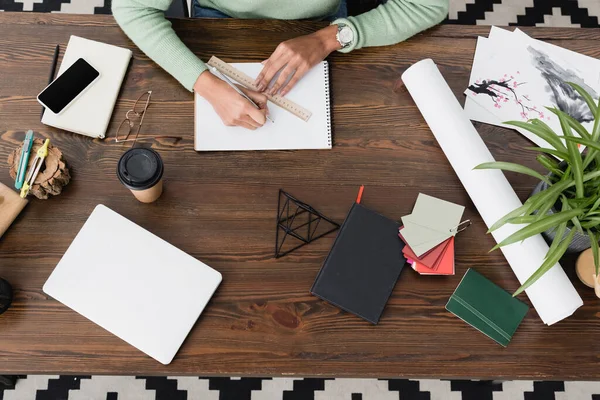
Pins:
x: 11, y: 205
x: 53, y: 176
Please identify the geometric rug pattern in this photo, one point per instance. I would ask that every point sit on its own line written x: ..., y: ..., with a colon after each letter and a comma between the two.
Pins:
x: 557, y: 13
x: 50, y: 387
x: 562, y: 13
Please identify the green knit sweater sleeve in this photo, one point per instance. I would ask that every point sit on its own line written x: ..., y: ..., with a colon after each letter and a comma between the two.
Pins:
x: 394, y: 21
x: 145, y: 24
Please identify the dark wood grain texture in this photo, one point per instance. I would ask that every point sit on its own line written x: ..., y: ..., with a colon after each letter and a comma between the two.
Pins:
x: 220, y: 207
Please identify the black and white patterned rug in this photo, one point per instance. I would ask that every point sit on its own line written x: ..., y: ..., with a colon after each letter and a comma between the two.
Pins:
x: 563, y: 13
x: 192, y: 388
x: 558, y: 13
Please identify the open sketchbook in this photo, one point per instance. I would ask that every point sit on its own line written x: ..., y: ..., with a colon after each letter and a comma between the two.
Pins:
x: 288, y: 132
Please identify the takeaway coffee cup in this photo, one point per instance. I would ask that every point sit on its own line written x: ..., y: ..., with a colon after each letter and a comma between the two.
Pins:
x: 141, y: 170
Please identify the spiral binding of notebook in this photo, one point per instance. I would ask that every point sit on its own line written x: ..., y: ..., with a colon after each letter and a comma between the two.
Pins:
x: 328, y: 101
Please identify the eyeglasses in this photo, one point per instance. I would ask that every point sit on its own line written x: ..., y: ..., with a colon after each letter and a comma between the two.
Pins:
x: 137, y: 112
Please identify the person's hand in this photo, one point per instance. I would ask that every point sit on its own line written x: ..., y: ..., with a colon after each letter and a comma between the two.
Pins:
x: 294, y: 58
x: 232, y: 108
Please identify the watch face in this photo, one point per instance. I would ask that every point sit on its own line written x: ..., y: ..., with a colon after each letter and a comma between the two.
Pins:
x: 346, y: 35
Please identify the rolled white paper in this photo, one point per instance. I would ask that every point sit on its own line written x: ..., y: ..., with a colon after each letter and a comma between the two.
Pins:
x: 553, y: 295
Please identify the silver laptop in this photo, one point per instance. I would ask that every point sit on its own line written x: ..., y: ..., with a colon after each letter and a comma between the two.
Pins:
x: 133, y: 284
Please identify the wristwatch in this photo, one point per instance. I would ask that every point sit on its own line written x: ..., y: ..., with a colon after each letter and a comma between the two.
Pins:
x: 344, y: 35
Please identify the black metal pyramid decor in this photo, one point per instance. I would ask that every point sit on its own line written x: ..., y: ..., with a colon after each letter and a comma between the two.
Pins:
x: 5, y: 295
x: 298, y: 224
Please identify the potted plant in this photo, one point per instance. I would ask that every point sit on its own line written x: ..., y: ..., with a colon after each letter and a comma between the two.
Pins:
x: 566, y: 203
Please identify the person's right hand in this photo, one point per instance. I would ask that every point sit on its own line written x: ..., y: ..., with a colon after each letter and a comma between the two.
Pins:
x: 233, y: 108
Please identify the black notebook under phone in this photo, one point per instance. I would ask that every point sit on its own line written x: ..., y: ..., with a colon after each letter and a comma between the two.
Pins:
x: 363, y: 265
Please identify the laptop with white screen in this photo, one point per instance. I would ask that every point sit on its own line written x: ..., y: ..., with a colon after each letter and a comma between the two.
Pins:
x: 133, y: 284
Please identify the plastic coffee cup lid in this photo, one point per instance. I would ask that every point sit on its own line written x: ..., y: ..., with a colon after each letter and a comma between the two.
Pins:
x: 140, y: 168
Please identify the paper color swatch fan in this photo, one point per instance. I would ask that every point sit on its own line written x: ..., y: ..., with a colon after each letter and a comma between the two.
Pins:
x: 298, y: 224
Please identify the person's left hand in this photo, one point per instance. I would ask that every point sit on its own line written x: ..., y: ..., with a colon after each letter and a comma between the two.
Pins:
x: 294, y: 58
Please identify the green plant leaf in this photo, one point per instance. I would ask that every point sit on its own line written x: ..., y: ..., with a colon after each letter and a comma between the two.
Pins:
x: 523, y: 220
x: 591, y: 175
x: 567, y: 206
x: 581, y: 203
x: 576, y: 161
x: 538, y: 200
x: 586, y: 96
x: 541, y: 132
x: 586, y: 142
x: 539, y: 226
x: 583, y: 133
x: 592, y: 145
x: 541, y: 124
x: 589, y: 157
x: 506, y: 166
x: 576, y: 125
x: 513, y: 214
x: 591, y: 222
x: 596, y: 129
x: 597, y: 116
x: 542, y: 200
x: 577, y: 224
x: 593, y: 153
x: 549, y: 262
x: 594, y: 207
x: 553, y: 152
x: 543, y: 210
x: 560, y: 232
x: 550, y: 164
x: 594, y: 245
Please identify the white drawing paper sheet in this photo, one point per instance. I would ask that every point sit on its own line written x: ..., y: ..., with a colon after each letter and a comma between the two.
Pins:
x: 553, y: 295
x: 288, y: 132
x: 587, y: 67
x: 529, y: 74
x: 512, y: 88
x: 479, y: 113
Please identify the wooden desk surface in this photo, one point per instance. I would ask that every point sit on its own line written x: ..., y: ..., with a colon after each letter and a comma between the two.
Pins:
x: 220, y: 208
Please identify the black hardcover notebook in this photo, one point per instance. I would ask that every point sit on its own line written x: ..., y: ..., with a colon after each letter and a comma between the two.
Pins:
x: 363, y: 265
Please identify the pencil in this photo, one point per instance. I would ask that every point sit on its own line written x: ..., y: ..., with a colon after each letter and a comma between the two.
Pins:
x: 52, y: 72
x: 228, y: 81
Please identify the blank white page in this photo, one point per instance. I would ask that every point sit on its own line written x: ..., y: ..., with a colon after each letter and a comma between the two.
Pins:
x: 288, y: 132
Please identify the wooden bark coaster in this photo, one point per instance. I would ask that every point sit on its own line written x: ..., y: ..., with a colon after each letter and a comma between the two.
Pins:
x: 53, y: 176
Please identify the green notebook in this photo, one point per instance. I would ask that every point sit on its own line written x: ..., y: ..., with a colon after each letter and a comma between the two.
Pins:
x: 487, y: 307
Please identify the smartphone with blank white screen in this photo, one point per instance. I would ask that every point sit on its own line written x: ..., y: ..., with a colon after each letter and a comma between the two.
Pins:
x: 68, y: 86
